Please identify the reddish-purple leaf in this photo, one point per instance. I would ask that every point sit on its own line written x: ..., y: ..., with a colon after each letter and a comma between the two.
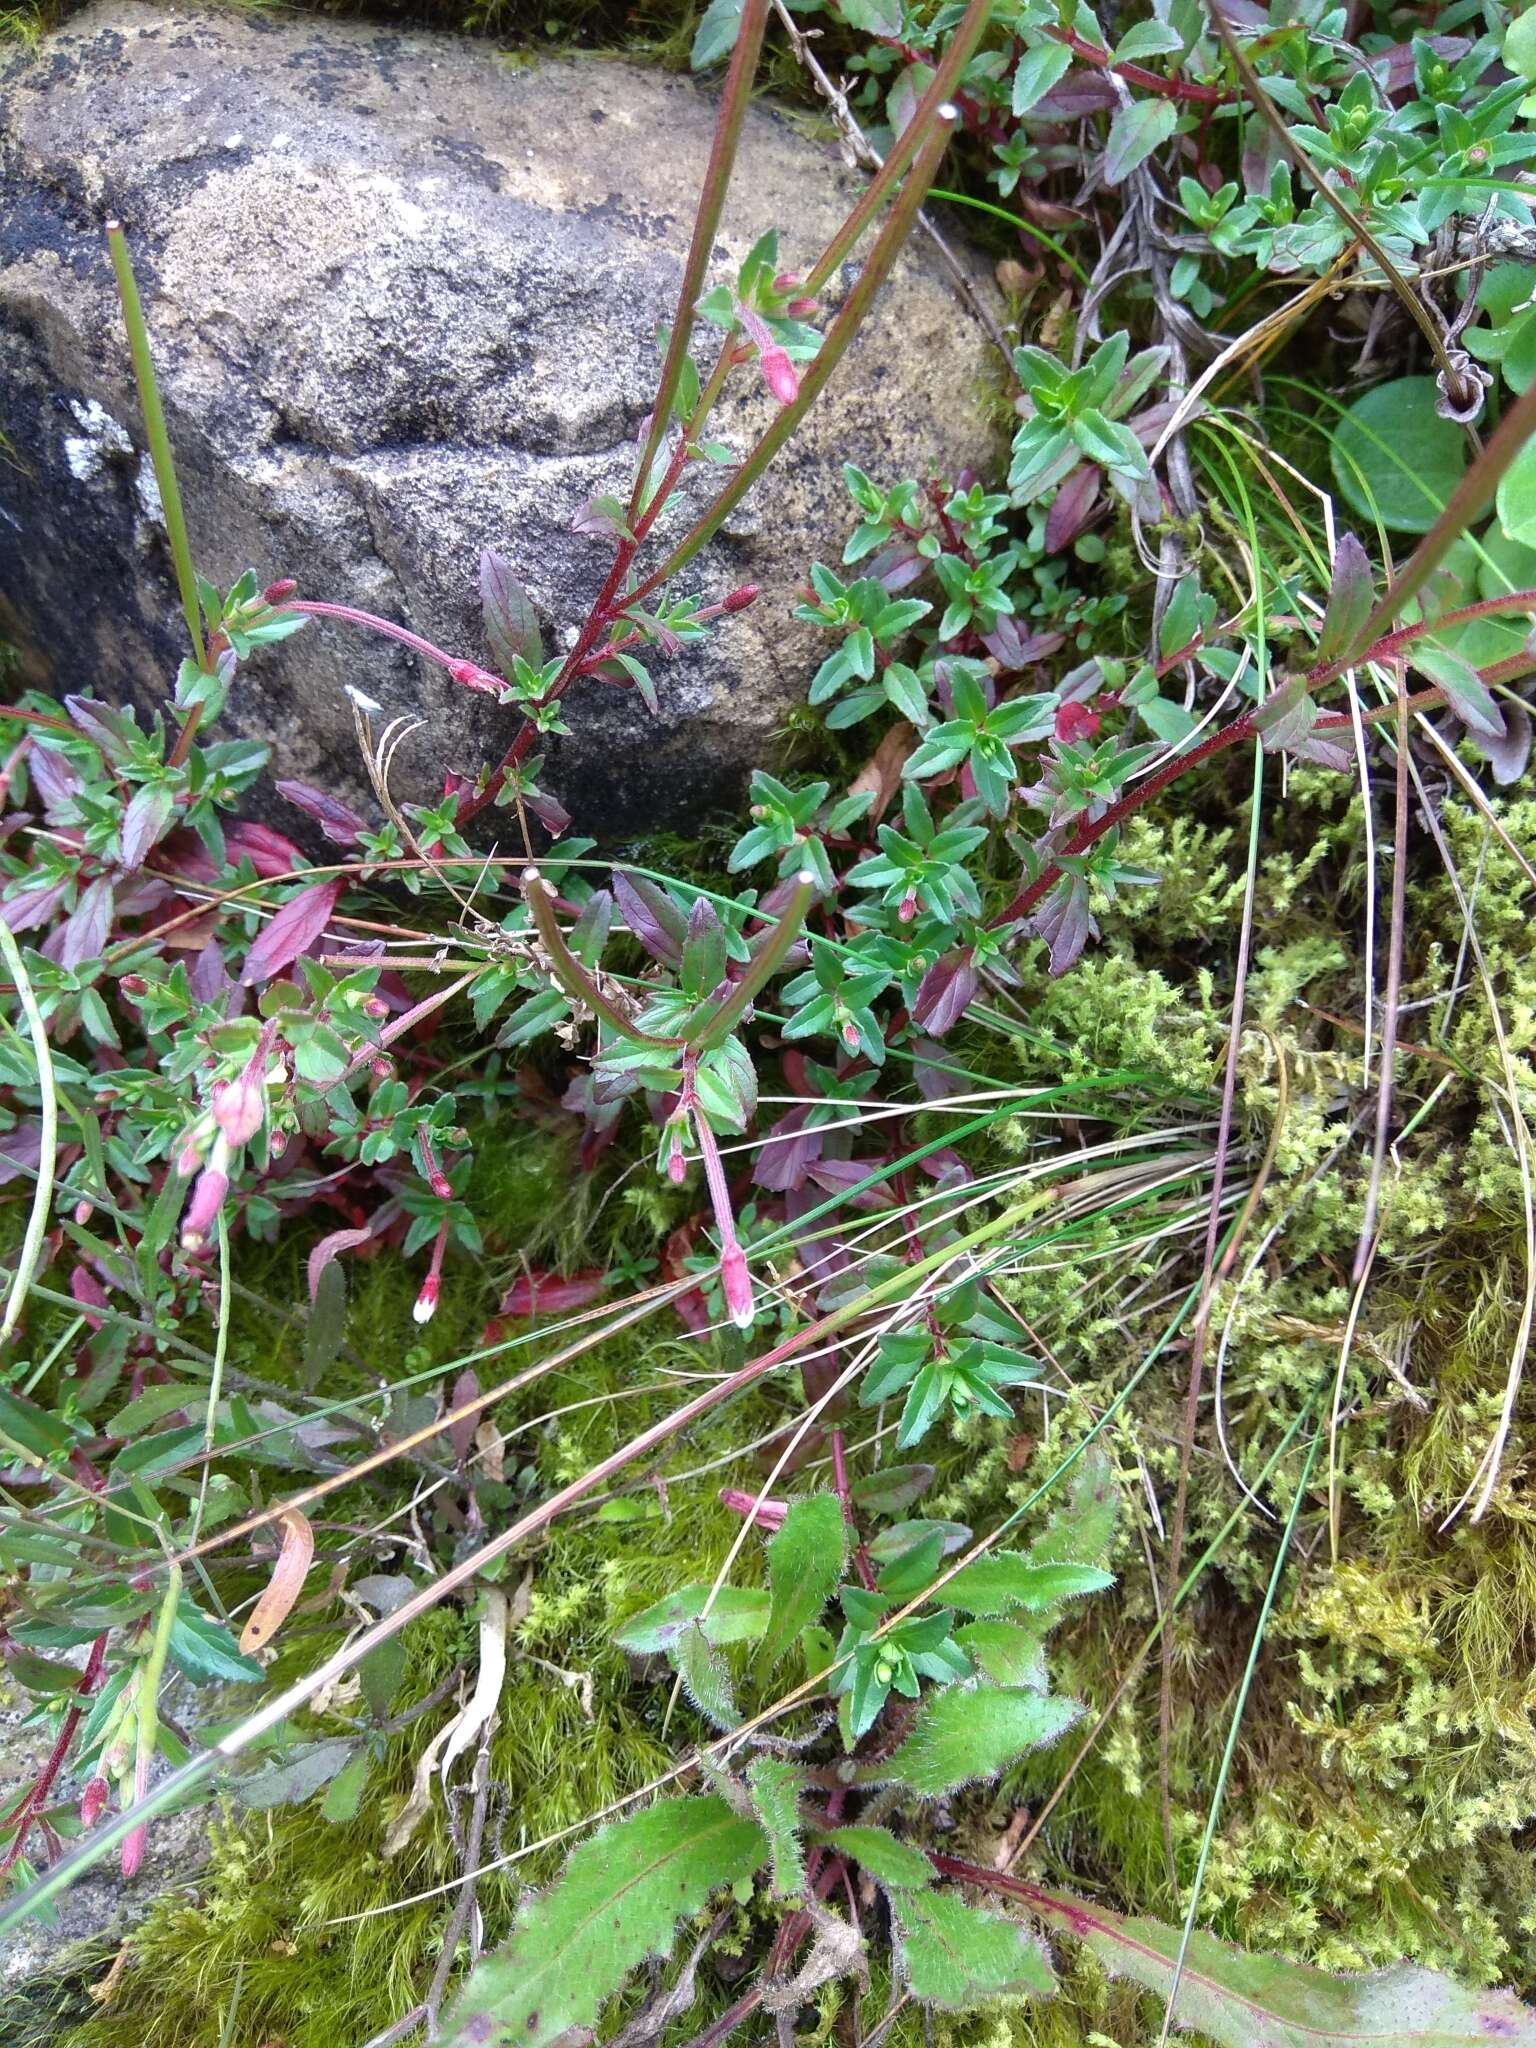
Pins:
x: 269, y: 852
x: 328, y: 1248
x: 946, y: 989
x: 293, y: 931
x: 29, y: 908
x: 546, y: 1294
x: 85, y: 935
x: 1349, y: 601
x: 145, y: 823
x: 54, y: 780
x: 461, y: 1434
x: 511, y: 623
x: 652, y: 916
x: 338, y: 821
x: 1072, y: 507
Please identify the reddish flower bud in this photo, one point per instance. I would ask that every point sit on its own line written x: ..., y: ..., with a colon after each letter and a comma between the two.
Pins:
x: 440, y: 1185
x: 133, y: 985
x: 474, y: 677
x: 375, y: 1007
x: 381, y: 1068
x: 208, y: 1195
x: 133, y: 1850
x: 851, y: 1037
x: 677, y: 1164
x: 84, y: 1211
x: 188, y: 1159
x: 801, y: 309
x: 906, y: 910
x: 274, y: 593
x: 426, y: 1301
x: 92, y: 1800
x: 764, y: 1514
x: 1076, y: 722
x: 737, y: 1282
x: 779, y: 375
x: 742, y: 596
x: 239, y: 1106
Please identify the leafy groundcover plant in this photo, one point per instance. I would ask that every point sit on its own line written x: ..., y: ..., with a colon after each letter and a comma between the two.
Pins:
x: 214, y: 1037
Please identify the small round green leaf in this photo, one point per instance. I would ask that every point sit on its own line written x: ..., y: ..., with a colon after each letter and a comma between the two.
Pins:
x: 1395, y: 459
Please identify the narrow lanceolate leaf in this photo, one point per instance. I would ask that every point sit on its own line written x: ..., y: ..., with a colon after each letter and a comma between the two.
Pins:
x: 285, y: 1584
x: 1083, y: 1520
x: 805, y: 1562
x: 617, y: 1902
x: 705, y: 1678
x: 888, y: 1860
x: 1005, y: 1579
x: 293, y: 931
x: 511, y: 623
x: 959, y: 1956
x: 961, y: 1736
x: 1349, y: 601
x: 1248, y: 2001
x: 775, y: 1788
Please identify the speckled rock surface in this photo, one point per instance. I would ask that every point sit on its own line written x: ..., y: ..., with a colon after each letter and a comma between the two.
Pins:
x: 403, y: 295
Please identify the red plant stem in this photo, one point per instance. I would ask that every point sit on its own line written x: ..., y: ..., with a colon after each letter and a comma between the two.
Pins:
x: 1243, y: 728
x: 850, y: 1521
x: 1137, y: 74
x: 36, y: 1798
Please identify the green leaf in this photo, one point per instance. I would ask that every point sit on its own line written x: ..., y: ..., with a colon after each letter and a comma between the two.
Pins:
x: 1005, y: 1652
x: 1081, y: 1526
x: 957, y: 1956
x: 1349, y: 600
x: 1520, y: 45
x: 889, y: 1861
x: 205, y: 1651
x: 1006, y: 1579
x: 345, y: 1793
x: 736, y: 1615
x: 1137, y: 129
x: 1036, y: 72
x: 296, y: 1776
x: 892, y: 1489
x: 962, y: 1735
x: 775, y: 1788
x: 1396, y: 460
x: 1517, y: 498
x: 805, y: 1562
x: 1466, y: 692
x: 617, y: 1902
x: 1248, y: 2001
x: 716, y: 34
x: 705, y: 1678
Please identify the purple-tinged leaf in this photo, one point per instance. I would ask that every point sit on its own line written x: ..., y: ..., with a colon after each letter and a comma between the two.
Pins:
x: 338, y: 821
x: 1072, y: 507
x: 788, y: 1152
x: 511, y: 623
x: 602, y: 515
x: 84, y: 937
x: 1465, y: 691
x: 21, y: 1152
x: 113, y: 728
x: 1349, y: 601
x: 208, y: 976
x: 293, y: 931
x: 1286, y: 716
x: 145, y: 823
x: 1508, y: 755
x: 1064, y: 923
x: 549, y: 810
x: 55, y: 781
x: 651, y: 915
x: 29, y: 908
x: 945, y: 992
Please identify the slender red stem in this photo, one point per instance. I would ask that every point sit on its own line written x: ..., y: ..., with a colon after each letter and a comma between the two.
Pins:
x: 36, y: 1799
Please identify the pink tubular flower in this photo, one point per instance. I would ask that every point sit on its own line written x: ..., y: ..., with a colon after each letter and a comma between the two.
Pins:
x: 737, y: 1282
x: 208, y: 1193
x: 92, y: 1800
x: 764, y: 1513
x: 426, y: 1301
x: 239, y: 1107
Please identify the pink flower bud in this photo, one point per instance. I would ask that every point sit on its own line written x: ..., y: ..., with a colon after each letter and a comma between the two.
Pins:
x: 133, y: 1849
x: 740, y: 598
x: 239, y: 1106
x: 381, y: 1068
x: 92, y: 1800
x: 737, y: 1282
x: 277, y: 1144
x: 474, y: 677
x: 375, y: 1007
x: 276, y: 592
x: 801, y: 309
x: 188, y: 1159
x: 426, y: 1301
x: 764, y: 1514
x: 440, y: 1185
x: 779, y: 375
x: 677, y: 1164
x: 84, y: 1211
x: 208, y: 1195
x: 851, y: 1037
x: 906, y: 910
x: 1076, y: 722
